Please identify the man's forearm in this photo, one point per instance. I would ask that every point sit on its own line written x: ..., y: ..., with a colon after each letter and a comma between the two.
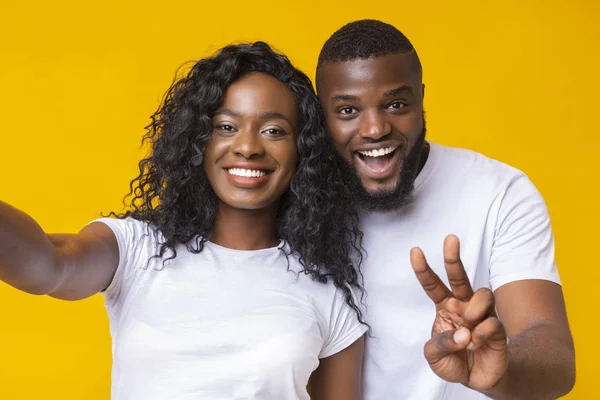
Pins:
x: 541, y: 366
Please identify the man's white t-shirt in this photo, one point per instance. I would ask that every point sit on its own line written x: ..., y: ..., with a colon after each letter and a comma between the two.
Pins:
x: 222, y: 324
x: 504, y: 229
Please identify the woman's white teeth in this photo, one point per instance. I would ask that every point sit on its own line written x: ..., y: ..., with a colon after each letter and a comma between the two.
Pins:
x: 378, y: 152
x: 247, y: 173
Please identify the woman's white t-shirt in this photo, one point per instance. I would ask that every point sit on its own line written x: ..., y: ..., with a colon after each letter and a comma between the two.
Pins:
x: 222, y: 324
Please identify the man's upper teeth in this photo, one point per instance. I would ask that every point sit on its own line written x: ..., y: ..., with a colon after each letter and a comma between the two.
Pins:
x: 378, y: 152
x: 249, y: 173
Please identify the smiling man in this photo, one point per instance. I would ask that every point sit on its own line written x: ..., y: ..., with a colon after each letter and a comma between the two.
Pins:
x: 500, y: 329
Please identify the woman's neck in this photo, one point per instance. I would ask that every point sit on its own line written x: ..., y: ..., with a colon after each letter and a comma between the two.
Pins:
x: 245, y: 229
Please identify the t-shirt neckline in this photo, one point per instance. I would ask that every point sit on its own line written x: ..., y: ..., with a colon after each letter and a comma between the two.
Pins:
x: 234, y: 252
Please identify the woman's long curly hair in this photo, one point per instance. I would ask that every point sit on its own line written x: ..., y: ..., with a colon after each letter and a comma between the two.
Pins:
x: 316, y: 217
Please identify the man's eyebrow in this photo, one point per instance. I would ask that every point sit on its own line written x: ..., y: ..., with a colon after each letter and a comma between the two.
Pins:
x: 398, y: 90
x: 344, y: 97
x: 389, y: 93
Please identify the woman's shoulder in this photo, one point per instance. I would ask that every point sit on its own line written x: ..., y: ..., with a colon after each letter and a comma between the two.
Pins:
x: 314, y: 281
x: 128, y: 226
x: 133, y: 235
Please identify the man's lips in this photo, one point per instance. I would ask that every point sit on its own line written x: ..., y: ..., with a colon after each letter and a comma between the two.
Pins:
x: 379, y: 163
x: 377, y: 151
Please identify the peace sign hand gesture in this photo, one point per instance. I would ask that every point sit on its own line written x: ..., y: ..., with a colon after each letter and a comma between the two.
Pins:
x: 468, y: 342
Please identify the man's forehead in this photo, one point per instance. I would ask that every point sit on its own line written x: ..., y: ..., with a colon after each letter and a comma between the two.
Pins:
x: 385, y: 72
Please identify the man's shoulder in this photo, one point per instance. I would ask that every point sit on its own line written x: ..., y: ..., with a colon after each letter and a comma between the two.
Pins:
x: 472, y: 165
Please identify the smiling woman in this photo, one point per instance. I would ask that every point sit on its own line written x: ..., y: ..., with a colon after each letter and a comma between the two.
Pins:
x: 251, y: 157
x: 207, y: 278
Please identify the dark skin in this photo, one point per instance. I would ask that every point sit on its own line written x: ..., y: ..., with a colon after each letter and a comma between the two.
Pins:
x: 339, y: 377
x: 368, y: 107
x: 254, y: 129
x: 379, y: 102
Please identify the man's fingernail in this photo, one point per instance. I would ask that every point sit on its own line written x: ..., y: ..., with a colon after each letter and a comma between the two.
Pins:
x: 461, y: 336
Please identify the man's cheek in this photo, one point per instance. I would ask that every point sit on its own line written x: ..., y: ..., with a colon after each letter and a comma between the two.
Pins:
x: 414, y: 125
x: 337, y: 137
x: 341, y: 145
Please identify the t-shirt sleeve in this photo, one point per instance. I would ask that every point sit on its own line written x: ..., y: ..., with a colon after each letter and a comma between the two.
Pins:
x: 523, y: 246
x: 342, y: 327
x: 132, y: 237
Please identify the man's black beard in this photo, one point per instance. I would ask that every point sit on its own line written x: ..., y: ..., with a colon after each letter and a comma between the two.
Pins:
x: 385, y: 200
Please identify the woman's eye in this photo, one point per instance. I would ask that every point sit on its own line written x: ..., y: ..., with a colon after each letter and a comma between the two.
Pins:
x: 346, y: 110
x: 274, y: 132
x: 225, y: 127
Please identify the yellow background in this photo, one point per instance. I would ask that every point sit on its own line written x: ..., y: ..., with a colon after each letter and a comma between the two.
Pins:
x: 516, y: 80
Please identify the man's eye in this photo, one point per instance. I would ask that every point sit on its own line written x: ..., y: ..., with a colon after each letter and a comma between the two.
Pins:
x: 396, y: 105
